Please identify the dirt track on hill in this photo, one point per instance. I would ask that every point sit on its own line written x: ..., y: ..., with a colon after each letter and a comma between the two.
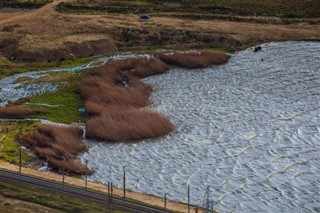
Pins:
x: 46, y: 35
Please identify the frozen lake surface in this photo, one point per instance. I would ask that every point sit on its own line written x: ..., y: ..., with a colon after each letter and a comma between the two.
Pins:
x: 249, y: 129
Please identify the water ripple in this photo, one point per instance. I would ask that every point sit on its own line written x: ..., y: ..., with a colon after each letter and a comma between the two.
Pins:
x: 248, y: 129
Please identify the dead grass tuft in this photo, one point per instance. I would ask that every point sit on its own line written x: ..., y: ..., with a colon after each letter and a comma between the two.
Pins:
x: 194, y: 59
x: 116, y: 124
x: 109, y: 91
x: 59, y: 146
x: 113, y: 96
x: 18, y: 112
x: 141, y: 66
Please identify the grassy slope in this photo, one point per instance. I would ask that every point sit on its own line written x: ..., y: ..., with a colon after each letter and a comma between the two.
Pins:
x: 48, y: 199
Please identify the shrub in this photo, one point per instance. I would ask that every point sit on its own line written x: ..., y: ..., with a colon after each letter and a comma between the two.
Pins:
x: 116, y: 124
x: 58, y: 145
x: 113, y: 95
x: 194, y: 59
x: 102, y: 91
x: 18, y: 112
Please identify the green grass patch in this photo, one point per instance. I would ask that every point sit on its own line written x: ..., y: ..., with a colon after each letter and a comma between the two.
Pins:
x: 8, y: 68
x: 9, y: 147
x: 51, y: 200
x: 64, y: 105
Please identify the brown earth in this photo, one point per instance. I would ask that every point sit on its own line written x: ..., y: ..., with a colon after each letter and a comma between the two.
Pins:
x: 46, y: 35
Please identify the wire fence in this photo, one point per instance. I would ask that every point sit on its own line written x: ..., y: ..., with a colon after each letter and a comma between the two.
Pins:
x: 204, y: 205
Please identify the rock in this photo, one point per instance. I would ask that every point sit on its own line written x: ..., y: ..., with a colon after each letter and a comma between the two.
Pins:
x: 257, y: 48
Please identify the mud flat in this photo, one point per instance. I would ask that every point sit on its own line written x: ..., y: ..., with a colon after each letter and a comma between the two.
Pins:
x: 249, y: 129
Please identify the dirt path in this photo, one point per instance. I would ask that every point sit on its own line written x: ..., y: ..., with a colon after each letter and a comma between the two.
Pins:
x: 46, y: 10
x: 145, y: 198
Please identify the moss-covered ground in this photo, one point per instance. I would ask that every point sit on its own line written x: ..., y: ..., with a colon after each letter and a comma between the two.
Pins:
x: 62, y: 106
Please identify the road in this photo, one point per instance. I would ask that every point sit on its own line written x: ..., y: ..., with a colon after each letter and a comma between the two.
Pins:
x: 117, y: 203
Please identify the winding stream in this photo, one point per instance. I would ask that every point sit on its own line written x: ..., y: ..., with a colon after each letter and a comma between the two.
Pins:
x: 249, y: 129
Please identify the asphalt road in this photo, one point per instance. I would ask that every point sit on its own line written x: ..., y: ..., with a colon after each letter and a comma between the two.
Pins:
x: 115, y: 202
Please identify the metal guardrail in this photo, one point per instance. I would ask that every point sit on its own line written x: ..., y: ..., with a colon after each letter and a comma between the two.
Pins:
x: 106, y: 199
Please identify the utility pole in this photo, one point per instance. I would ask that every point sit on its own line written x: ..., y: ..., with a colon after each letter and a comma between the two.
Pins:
x: 63, y: 178
x: 165, y: 202
x: 188, y: 198
x: 20, y: 157
x: 124, y: 181
x: 111, y: 195
x: 86, y: 179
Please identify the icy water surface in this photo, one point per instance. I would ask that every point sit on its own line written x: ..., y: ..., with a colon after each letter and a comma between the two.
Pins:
x: 249, y: 129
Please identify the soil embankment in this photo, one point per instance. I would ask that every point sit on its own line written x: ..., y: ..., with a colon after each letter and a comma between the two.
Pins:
x: 47, y: 35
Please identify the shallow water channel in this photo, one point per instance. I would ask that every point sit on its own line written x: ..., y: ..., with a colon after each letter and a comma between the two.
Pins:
x: 249, y: 129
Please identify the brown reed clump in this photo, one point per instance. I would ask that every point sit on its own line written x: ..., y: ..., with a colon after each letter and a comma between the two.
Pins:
x: 113, y: 95
x: 141, y: 66
x: 194, y: 59
x: 18, y: 112
x: 58, y: 144
x: 128, y: 124
x: 70, y: 165
x: 100, y: 91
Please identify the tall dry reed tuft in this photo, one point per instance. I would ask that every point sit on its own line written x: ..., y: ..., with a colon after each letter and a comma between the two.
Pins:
x: 113, y: 95
x: 18, y: 112
x: 57, y: 144
x: 194, y: 59
x: 128, y: 124
x: 101, y: 92
x: 141, y: 66
x: 70, y: 165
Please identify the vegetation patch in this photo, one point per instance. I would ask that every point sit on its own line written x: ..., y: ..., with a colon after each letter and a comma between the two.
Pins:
x: 51, y: 200
x: 194, y: 59
x: 278, y: 8
x: 8, y: 68
x: 59, y: 146
x: 9, y: 147
x: 64, y: 105
x: 113, y: 97
x: 24, y: 4
x: 48, y: 77
x: 18, y: 112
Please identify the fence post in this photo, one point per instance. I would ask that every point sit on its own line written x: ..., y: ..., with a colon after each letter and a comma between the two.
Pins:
x: 108, y: 193
x: 111, y: 195
x: 86, y: 184
x: 20, y: 159
x: 165, y: 202
x: 188, y: 198
x: 63, y: 179
x: 124, y: 181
